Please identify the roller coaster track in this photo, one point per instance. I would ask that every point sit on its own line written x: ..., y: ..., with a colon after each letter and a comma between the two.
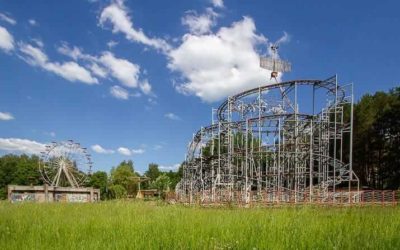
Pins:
x: 336, y: 171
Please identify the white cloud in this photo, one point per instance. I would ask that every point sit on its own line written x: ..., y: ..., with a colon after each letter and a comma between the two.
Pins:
x: 112, y: 44
x: 126, y: 72
x: 21, y: 145
x: 124, y: 151
x: 145, y: 87
x: 284, y: 39
x: 119, y: 93
x: 157, y: 147
x: 98, y: 70
x: 70, y: 71
x: 35, y: 55
x: 6, y: 116
x: 128, y: 152
x: 74, y: 52
x: 218, y: 3
x: 33, y: 22
x: 138, y: 151
x: 6, y: 40
x: 173, y: 167
x: 38, y: 42
x: 200, y: 24
x: 100, y: 150
x: 7, y: 19
x: 172, y: 116
x: 123, y: 70
x: 117, y: 14
x: 220, y: 64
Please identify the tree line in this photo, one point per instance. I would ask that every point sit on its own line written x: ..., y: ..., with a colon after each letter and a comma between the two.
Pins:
x: 124, y: 181
x: 121, y: 182
x: 377, y: 140
x: 376, y: 156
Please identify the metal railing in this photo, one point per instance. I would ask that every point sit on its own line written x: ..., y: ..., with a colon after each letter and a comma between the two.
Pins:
x: 338, y: 198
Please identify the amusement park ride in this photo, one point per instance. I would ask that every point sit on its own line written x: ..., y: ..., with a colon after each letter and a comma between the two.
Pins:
x: 65, y: 164
x: 283, y: 142
x: 64, y: 167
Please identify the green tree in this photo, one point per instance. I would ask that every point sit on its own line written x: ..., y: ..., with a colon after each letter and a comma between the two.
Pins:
x: 123, y: 175
x: 162, y: 184
x: 153, y: 172
x: 175, y: 177
x: 18, y: 170
x: 376, y: 139
x: 386, y: 134
x: 117, y: 192
x: 99, y: 180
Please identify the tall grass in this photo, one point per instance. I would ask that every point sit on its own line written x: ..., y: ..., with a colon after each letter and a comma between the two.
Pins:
x: 147, y: 225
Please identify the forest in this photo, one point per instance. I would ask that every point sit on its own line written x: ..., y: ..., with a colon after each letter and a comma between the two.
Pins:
x: 377, y: 140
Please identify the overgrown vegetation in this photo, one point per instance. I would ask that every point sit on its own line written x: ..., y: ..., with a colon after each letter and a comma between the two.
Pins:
x: 18, y: 170
x: 376, y: 156
x: 122, y: 182
x: 150, y: 225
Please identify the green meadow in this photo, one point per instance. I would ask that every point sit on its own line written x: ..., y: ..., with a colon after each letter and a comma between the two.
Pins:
x: 156, y: 225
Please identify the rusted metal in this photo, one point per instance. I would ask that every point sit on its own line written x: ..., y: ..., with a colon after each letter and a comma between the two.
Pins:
x: 264, y: 145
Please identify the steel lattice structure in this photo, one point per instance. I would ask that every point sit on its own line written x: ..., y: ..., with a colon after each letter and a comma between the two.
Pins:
x: 64, y: 164
x: 285, y: 142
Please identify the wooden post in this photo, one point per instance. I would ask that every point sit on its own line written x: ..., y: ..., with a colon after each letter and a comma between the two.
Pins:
x: 341, y: 197
x: 351, y: 197
x: 9, y: 192
x: 46, y: 193
x: 373, y: 197
x: 91, y: 194
x: 393, y: 198
x: 362, y: 198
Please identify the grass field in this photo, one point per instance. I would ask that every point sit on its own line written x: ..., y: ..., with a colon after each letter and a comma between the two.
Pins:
x: 154, y: 225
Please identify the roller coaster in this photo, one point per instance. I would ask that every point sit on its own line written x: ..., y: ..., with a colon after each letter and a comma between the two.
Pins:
x: 289, y: 142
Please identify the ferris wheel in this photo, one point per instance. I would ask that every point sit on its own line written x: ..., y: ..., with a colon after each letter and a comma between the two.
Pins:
x: 64, y: 164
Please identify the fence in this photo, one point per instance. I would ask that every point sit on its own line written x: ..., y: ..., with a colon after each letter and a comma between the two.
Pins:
x: 339, y: 198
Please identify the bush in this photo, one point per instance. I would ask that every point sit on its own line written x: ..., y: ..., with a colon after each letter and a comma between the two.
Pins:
x: 117, y: 192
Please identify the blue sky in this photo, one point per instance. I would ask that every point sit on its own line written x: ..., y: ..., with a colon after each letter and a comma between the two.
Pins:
x: 135, y: 79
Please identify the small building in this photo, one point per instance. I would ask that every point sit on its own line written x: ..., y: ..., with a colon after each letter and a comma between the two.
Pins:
x: 48, y: 193
x: 149, y: 193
